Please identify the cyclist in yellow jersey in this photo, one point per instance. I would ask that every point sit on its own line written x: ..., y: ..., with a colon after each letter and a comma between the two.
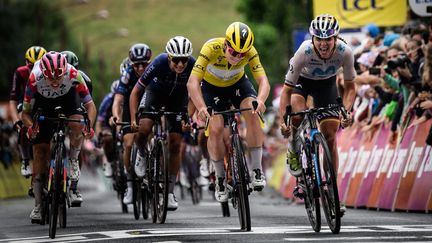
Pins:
x: 218, y: 80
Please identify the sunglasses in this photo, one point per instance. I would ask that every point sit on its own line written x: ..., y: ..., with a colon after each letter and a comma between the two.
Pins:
x: 234, y: 53
x: 183, y: 60
x: 138, y: 64
x: 324, y: 33
x: 57, y: 74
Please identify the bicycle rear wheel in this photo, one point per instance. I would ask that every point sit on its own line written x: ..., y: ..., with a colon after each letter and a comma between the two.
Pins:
x: 328, y: 188
x: 242, y: 182
x: 308, y: 185
x: 145, y: 198
x: 161, y: 182
x: 55, y: 190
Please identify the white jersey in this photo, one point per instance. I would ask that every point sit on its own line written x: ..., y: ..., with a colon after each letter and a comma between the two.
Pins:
x: 308, y: 64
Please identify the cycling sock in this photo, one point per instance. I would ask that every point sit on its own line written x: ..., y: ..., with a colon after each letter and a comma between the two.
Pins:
x: 256, y: 157
x: 37, y: 190
x: 219, y: 168
x: 172, y: 181
x: 291, y: 147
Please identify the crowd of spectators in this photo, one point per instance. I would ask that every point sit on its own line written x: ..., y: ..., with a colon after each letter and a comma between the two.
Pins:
x: 394, y: 82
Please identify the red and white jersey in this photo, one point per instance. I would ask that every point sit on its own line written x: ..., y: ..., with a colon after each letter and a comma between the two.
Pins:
x: 38, y: 84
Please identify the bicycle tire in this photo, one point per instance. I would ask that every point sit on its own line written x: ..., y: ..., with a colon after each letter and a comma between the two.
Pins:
x: 56, y: 190
x: 136, y: 185
x: 312, y: 203
x: 62, y: 211
x: 194, y: 189
x: 328, y: 189
x: 242, y: 184
x: 161, y: 182
x: 145, y: 202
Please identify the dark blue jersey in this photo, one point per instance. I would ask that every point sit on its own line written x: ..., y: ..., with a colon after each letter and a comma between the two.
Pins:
x: 105, y: 109
x: 128, y: 80
x: 159, y: 75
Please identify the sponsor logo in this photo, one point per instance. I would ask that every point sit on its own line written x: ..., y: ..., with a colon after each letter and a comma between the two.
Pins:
x: 321, y: 73
x: 204, y: 56
x: 199, y: 66
x: 258, y: 66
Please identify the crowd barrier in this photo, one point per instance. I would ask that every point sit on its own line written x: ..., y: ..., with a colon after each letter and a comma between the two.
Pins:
x: 375, y: 174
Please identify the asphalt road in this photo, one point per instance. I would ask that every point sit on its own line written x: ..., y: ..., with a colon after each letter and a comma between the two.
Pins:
x: 274, y: 219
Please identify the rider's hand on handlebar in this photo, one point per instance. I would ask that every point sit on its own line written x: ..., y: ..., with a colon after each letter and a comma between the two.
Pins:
x: 32, y: 132
x: 134, y: 126
x: 203, y: 114
x: 348, y: 121
x: 88, y: 134
x: 285, y: 130
x: 112, y: 120
x: 261, y: 107
x: 186, y: 127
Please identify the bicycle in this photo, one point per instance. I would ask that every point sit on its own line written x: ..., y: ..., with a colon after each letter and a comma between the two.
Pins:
x: 237, y: 167
x: 55, y: 196
x: 156, y: 179
x: 316, y: 182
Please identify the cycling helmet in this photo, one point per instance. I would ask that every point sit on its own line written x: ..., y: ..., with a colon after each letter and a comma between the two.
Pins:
x: 140, y: 53
x: 324, y: 26
x: 34, y: 53
x: 179, y: 46
x: 240, y: 37
x: 71, y: 58
x: 53, y: 65
x: 114, y: 85
x: 125, y: 64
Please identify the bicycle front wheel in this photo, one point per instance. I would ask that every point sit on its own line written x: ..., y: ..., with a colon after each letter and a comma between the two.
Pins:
x: 309, y: 188
x: 161, y: 184
x: 328, y: 188
x: 55, y: 190
x: 242, y: 182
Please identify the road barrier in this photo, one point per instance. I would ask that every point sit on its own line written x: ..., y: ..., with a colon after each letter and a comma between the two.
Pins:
x: 377, y: 175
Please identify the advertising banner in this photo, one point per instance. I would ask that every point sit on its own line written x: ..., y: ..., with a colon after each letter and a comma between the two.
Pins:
x: 357, y: 13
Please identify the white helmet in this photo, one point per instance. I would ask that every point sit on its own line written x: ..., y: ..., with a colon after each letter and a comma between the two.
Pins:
x: 324, y: 26
x: 179, y: 46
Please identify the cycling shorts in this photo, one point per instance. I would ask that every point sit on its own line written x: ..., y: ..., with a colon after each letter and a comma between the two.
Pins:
x: 70, y: 102
x: 221, y: 98
x: 155, y: 98
x: 323, y: 92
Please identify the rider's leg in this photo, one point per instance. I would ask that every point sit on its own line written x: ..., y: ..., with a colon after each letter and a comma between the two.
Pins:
x: 216, y: 149
x: 128, y: 140
x: 145, y: 127
x: 298, y: 103
x: 328, y: 128
x: 174, y: 163
x: 41, y: 156
x: 76, y: 140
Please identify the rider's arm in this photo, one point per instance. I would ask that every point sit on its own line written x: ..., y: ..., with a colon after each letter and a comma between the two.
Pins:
x: 285, y: 99
x: 117, y: 110
x: 91, y: 112
x: 120, y: 92
x: 260, y: 77
x: 135, y: 95
x: 194, y: 89
x: 193, y: 84
x: 349, y: 77
x: 14, y: 93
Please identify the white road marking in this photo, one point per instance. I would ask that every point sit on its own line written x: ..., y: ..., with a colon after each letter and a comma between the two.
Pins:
x: 294, y: 231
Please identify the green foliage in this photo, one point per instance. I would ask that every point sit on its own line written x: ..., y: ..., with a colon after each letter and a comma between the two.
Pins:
x: 273, y: 22
x: 25, y: 23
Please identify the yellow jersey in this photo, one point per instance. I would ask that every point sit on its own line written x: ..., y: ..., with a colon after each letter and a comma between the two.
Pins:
x: 213, y: 67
